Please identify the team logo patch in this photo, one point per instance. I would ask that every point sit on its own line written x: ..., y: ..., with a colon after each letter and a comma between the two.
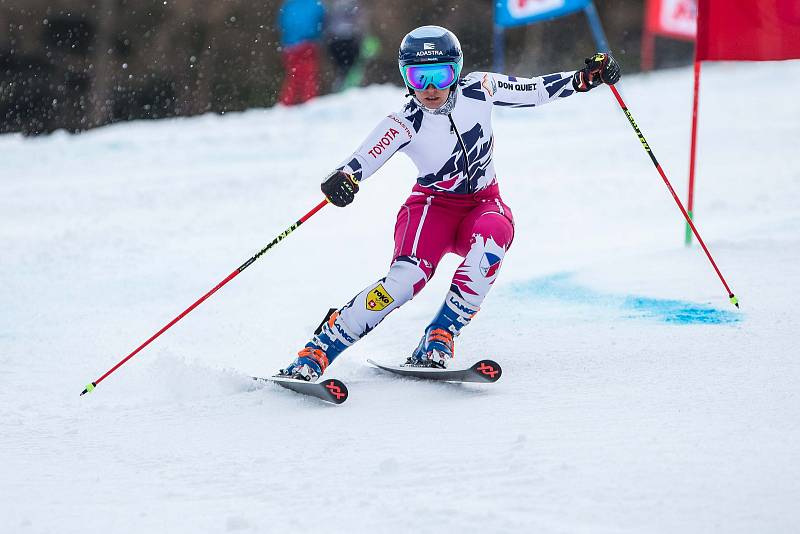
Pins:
x: 378, y: 299
x: 489, y: 264
x: 489, y: 85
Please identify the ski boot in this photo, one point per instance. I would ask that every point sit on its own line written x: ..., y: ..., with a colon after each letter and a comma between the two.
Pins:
x: 328, y: 342
x: 436, y: 348
x: 309, y: 365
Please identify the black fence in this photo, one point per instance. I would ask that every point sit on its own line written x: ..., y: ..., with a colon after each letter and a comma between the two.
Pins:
x: 75, y: 65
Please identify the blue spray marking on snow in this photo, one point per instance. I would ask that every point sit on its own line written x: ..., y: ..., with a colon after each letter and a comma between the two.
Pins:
x: 561, y: 287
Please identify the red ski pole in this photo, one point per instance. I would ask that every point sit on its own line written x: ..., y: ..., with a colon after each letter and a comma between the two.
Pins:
x: 227, y: 279
x: 731, y: 296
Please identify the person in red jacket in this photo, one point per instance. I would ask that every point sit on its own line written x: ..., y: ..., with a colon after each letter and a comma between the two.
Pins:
x: 300, y: 23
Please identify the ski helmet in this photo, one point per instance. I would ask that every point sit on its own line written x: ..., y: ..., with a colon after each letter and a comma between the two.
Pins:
x: 430, y: 45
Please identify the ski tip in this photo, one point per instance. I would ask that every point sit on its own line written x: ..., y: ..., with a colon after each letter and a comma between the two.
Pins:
x: 487, y: 370
x: 330, y: 390
x: 336, y: 390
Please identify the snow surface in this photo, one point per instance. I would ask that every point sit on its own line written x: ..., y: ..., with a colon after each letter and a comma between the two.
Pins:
x: 635, y: 398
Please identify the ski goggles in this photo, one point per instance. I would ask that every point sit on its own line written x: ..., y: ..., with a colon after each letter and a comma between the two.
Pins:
x: 441, y: 75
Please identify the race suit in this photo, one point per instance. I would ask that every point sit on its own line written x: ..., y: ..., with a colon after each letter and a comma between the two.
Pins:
x: 455, y: 205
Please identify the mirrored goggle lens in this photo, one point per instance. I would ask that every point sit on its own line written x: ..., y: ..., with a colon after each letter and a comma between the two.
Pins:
x: 421, y: 76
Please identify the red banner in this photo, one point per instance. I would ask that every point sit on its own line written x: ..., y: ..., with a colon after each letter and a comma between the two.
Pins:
x: 672, y: 18
x: 749, y: 30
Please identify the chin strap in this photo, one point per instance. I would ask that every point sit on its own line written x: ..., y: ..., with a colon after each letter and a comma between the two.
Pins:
x: 445, y: 108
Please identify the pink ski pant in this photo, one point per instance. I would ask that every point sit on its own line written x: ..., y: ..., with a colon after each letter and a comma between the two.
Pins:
x: 477, y: 227
x: 429, y: 225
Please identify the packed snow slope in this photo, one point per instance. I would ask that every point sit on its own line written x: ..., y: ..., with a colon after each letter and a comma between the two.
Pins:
x: 635, y: 398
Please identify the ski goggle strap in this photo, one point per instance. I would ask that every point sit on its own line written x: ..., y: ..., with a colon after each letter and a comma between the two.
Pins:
x: 441, y: 75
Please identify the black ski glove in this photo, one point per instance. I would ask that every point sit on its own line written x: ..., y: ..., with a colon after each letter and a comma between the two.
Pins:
x: 339, y: 188
x: 600, y: 68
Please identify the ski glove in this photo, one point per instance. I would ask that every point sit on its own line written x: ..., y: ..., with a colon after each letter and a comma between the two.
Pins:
x: 339, y: 188
x: 600, y: 68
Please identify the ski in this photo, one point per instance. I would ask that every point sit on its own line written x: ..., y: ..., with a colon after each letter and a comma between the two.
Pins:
x: 483, y: 371
x: 329, y: 390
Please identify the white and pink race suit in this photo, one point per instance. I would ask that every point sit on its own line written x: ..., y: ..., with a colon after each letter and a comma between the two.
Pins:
x: 455, y: 205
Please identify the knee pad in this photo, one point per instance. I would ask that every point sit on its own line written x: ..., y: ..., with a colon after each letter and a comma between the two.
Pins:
x: 405, y: 278
x: 492, y: 225
x: 413, y: 270
x: 476, y: 274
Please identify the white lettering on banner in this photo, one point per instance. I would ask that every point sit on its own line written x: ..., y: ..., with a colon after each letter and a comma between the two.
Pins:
x: 678, y: 16
x: 384, y: 143
x: 528, y: 8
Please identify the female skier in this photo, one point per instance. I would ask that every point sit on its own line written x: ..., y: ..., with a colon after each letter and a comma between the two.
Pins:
x: 455, y: 206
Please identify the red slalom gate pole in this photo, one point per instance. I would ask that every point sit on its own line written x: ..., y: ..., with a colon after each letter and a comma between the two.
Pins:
x: 731, y: 296
x: 89, y: 388
x: 693, y: 151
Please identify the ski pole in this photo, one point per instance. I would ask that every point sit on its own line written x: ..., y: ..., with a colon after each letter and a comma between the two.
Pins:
x: 731, y: 296
x: 89, y: 388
